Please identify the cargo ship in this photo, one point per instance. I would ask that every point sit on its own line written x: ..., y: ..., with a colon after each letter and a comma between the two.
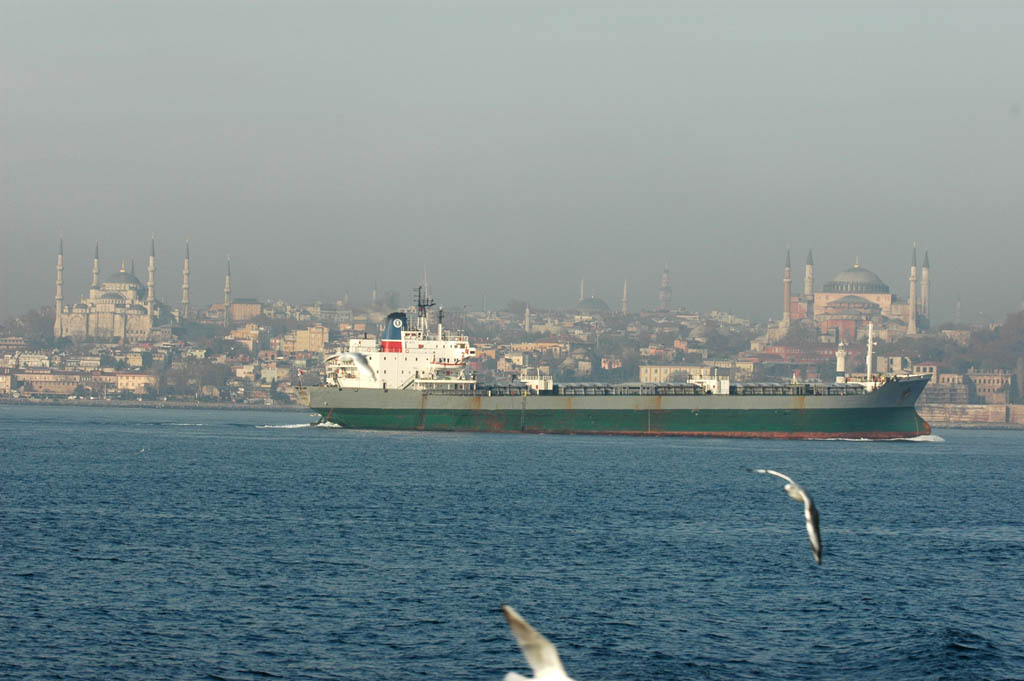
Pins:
x: 417, y: 379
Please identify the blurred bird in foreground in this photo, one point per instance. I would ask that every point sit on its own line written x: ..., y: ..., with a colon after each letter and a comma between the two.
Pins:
x: 359, y: 359
x: 797, y: 492
x: 539, y: 652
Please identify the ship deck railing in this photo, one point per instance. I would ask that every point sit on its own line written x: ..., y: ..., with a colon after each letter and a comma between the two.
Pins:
x: 652, y: 389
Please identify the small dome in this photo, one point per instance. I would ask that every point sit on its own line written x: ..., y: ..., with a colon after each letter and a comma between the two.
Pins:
x: 138, y: 308
x: 856, y: 280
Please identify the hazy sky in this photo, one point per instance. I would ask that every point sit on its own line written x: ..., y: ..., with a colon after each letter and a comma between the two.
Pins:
x: 513, y: 148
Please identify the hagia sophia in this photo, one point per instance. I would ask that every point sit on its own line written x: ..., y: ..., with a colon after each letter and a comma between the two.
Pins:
x: 855, y: 297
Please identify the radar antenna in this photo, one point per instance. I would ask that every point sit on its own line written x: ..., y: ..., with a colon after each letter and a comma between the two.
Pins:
x: 423, y: 303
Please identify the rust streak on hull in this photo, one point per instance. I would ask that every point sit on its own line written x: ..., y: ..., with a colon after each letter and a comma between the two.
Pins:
x: 758, y: 435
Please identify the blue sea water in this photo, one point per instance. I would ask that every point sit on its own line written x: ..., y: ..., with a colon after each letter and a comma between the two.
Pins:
x: 201, y: 544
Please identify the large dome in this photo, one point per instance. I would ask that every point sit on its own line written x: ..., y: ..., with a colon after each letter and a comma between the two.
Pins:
x: 592, y: 304
x: 856, y: 280
x: 123, y: 277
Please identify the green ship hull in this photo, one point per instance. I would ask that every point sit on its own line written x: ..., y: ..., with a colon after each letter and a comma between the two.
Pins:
x: 884, y: 413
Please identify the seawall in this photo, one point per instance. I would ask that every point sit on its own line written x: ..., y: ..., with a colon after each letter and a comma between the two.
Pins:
x: 943, y: 415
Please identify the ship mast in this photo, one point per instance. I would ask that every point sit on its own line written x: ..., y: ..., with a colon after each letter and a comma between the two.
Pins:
x: 871, y: 349
x: 423, y: 303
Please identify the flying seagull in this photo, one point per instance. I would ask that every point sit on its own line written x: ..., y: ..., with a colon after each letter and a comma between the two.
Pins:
x: 359, y: 359
x: 797, y: 492
x: 539, y: 652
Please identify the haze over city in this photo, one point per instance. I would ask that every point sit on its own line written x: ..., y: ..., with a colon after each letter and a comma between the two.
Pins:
x: 513, y: 149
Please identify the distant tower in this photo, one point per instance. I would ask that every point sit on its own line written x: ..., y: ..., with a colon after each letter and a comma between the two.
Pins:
x: 373, y: 297
x: 787, y: 293
x: 841, y: 363
x: 912, y: 303
x: 96, y: 267
x: 184, y: 285
x: 625, y: 298
x: 665, y: 292
x: 526, y: 321
x: 151, y: 284
x: 924, y: 286
x: 227, y: 293
x: 809, y: 275
x: 809, y: 284
x: 58, y: 321
x: 956, y: 311
x: 581, y: 289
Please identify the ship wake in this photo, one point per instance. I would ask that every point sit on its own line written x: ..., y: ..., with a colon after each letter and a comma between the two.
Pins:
x: 289, y: 425
x: 322, y: 424
x: 917, y: 438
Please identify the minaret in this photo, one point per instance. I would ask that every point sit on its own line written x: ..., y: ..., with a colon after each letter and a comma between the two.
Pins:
x: 581, y: 289
x: 956, y: 311
x: 924, y: 286
x: 227, y: 293
x: 809, y: 275
x: 665, y: 292
x: 912, y: 303
x: 809, y: 284
x: 184, y: 285
x: 527, y: 327
x: 58, y: 320
x: 787, y: 294
x: 96, y: 267
x: 625, y: 298
x: 151, y: 284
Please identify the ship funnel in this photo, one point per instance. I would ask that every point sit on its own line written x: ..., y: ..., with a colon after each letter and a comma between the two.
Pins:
x: 396, y: 323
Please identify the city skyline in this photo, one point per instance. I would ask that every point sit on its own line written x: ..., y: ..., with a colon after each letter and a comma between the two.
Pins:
x: 185, y: 289
x: 513, y: 149
x: 169, y: 281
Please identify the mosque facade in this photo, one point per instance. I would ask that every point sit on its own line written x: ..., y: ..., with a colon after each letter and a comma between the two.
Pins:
x: 854, y: 298
x: 118, y: 308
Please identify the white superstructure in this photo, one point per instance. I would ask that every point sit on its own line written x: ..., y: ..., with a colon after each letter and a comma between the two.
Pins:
x: 403, y: 358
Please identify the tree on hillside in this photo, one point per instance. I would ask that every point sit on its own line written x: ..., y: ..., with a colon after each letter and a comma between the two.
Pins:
x: 801, y: 336
x: 929, y: 348
x: 988, y: 349
x: 35, y: 326
x: 1002, y: 347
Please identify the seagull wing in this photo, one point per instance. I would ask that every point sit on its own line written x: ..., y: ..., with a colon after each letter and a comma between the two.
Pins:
x: 539, y: 652
x: 775, y: 473
x: 813, y: 529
